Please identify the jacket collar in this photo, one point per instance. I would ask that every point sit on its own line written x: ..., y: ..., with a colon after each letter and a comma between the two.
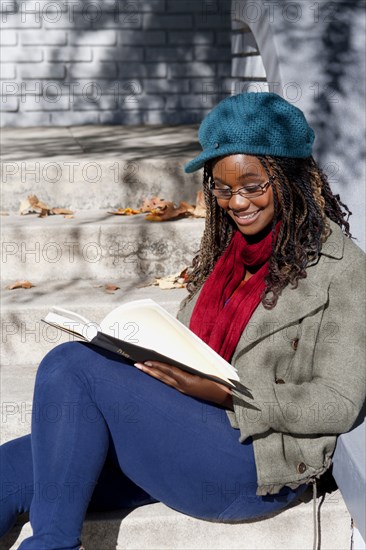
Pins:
x: 294, y: 304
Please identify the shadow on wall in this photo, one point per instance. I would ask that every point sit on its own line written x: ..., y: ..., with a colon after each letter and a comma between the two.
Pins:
x: 167, y: 52
x: 338, y: 104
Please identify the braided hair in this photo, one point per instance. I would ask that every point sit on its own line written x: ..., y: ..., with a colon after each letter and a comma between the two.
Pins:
x: 303, y: 199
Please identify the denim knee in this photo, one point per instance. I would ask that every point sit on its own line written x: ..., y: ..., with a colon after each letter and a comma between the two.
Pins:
x: 62, y: 360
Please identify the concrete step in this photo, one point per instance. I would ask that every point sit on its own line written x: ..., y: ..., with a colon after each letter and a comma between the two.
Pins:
x: 26, y: 339
x: 97, y: 166
x: 95, y: 244
x: 157, y: 527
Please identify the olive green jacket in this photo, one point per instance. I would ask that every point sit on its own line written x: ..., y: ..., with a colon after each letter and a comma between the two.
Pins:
x: 304, y: 364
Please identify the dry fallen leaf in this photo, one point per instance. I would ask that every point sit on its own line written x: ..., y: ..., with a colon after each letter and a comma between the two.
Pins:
x: 33, y: 204
x: 69, y: 216
x: 20, y: 284
x: 64, y: 211
x: 111, y: 288
x: 169, y: 212
x: 177, y: 280
x: 4, y: 213
x: 125, y: 212
x: 152, y: 204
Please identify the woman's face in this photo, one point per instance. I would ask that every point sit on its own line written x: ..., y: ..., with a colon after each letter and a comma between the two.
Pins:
x: 235, y: 171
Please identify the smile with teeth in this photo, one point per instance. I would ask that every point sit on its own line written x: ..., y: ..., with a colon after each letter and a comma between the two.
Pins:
x: 246, y: 216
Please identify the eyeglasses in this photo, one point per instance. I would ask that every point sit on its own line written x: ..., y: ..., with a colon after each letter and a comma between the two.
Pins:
x: 249, y: 191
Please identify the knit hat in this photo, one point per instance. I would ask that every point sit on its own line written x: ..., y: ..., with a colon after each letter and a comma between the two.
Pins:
x: 256, y: 123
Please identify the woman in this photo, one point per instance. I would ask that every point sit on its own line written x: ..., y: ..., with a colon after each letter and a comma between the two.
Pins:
x: 277, y: 290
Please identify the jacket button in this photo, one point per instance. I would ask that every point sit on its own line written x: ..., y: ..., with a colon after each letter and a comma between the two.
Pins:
x: 280, y: 381
x: 217, y: 145
x: 301, y: 468
x: 294, y: 343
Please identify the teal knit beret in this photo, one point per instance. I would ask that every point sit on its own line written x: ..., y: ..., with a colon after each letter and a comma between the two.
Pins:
x: 255, y: 123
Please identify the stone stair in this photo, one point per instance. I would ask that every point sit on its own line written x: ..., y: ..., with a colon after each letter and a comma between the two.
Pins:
x: 70, y: 260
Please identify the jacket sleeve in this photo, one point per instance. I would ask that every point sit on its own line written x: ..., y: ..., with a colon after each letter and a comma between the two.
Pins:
x: 332, y: 400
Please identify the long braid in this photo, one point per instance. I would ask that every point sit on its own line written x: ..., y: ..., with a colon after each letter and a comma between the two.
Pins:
x: 302, y: 198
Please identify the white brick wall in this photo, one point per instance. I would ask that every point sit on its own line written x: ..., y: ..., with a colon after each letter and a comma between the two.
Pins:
x: 66, y: 62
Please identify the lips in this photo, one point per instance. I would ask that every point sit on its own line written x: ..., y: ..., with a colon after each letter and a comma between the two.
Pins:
x: 247, y: 218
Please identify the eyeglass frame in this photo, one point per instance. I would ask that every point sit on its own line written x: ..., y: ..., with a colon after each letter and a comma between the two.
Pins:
x: 263, y: 186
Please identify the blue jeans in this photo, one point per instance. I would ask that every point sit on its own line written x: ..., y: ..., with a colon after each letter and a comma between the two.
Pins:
x: 106, y: 435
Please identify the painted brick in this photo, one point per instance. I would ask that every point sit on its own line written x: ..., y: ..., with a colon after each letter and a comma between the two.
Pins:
x: 43, y: 70
x: 44, y: 38
x: 139, y: 38
x: 7, y: 71
x: 197, y: 69
x: 209, y: 21
x: 191, y: 101
x: 21, y: 55
x: 151, y: 85
x: 121, y: 117
x: 189, y: 116
x: 68, y: 54
x: 71, y: 118
x: 36, y: 103
x: 21, y: 21
x: 223, y: 38
x: 24, y: 120
x: 94, y: 38
x: 118, y: 87
x: 198, y: 101
x: 110, y: 103
x: 154, y: 6
x: 10, y: 6
x: 186, y: 7
x: 168, y: 22
x: 8, y: 38
x: 209, y: 53
x: 45, y: 6
x: 223, y: 70
x: 9, y: 103
x: 119, y: 20
x: 191, y: 37
x: 71, y: 19
x: 211, y: 86
x: 168, y: 54
x: 93, y: 70
x: 134, y: 53
x: 146, y: 70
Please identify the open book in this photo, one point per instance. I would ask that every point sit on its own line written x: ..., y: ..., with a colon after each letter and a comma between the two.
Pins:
x: 142, y: 330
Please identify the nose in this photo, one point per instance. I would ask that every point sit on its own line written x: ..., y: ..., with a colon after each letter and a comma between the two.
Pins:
x: 237, y: 202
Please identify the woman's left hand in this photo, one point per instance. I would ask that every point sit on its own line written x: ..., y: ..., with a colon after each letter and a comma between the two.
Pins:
x: 190, y: 384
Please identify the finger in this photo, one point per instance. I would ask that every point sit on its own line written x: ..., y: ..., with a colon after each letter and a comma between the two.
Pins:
x: 155, y: 373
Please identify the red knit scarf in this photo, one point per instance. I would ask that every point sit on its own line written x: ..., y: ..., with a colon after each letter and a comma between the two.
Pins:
x: 220, y: 325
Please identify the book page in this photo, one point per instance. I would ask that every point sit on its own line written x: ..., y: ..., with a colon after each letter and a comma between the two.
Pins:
x: 73, y: 324
x: 145, y: 323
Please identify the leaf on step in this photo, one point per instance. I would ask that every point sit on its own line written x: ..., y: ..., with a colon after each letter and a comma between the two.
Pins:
x: 177, y: 280
x: 153, y: 204
x: 69, y: 216
x: 169, y: 212
x: 4, y: 213
x: 125, y: 212
x: 33, y: 204
x: 59, y: 211
x: 20, y: 284
x: 111, y: 288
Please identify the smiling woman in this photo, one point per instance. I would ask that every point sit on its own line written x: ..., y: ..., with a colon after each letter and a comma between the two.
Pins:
x: 277, y: 288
